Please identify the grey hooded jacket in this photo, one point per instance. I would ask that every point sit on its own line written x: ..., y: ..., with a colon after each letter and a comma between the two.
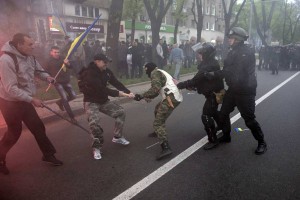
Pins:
x: 20, y: 86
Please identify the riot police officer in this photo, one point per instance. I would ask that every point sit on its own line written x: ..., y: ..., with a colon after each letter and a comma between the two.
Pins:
x: 208, y: 87
x: 240, y: 76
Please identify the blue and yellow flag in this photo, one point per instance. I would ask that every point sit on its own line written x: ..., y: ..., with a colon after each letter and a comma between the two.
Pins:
x: 240, y: 129
x: 78, y: 41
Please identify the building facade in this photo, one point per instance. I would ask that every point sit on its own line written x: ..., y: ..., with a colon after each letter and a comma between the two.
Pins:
x: 76, y: 15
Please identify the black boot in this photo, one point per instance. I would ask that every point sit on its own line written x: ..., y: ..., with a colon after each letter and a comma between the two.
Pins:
x: 212, y: 139
x: 261, y: 148
x: 166, y: 151
x: 152, y: 134
x: 210, y: 145
x: 3, y: 168
x: 225, y: 138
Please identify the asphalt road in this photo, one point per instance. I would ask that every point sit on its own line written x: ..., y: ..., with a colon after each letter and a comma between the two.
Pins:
x: 231, y: 171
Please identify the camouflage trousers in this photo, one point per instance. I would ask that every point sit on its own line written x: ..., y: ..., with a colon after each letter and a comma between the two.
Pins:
x: 94, y: 110
x: 162, y: 111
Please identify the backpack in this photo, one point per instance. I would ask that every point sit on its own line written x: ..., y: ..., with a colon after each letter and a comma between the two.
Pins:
x: 14, y: 57
x: 83, y: 83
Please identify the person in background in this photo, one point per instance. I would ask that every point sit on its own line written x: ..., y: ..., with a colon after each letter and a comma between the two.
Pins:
x: 160, y: 54
x: 93, y: 83
x: 122, y: 55
x: 17, y: 101
x: 176, y: 58
x: 62, y: 83
x: 188, y: 54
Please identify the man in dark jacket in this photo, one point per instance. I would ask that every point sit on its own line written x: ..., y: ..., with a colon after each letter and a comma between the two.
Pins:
x: 93, y: 83
x: 240, y: 76
x: 62, y: 83
x: 207, y: 87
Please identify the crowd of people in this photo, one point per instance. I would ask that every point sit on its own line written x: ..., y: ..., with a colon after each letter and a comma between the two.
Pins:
x: 285, y: 57
x: 17, y: 91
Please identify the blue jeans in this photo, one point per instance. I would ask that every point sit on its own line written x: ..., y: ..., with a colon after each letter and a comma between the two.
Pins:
x: 67, y: 94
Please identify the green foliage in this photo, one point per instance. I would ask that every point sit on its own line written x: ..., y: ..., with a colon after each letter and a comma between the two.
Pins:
x: 280, y: 16
x: 132, y: 8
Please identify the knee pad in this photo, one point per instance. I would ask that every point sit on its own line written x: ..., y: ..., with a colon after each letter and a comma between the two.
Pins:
x: 208, y: 121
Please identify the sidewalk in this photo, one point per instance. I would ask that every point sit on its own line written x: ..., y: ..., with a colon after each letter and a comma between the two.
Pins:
x: 77, y: 104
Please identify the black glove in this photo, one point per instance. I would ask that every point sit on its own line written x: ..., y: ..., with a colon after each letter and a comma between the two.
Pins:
x: 138, y: 97
x: 181, y: 85
x: 209, y: 75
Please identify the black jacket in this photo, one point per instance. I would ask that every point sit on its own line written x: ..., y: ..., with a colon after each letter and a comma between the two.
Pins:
x: 93, y: 84
x: 54, y: 65
x: 239, y: 70
x: 201, y: 83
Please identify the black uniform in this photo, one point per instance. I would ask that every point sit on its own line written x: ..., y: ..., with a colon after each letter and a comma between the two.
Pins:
x: 239, y: 73
x: 207, y: 87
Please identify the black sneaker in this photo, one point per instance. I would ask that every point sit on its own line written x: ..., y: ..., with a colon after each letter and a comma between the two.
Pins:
x: 52, y: 160
x: 210, y: 145
x: 261, y: 148
x: 3, y: 168
x: 224, y: 139
x: 60, y: 105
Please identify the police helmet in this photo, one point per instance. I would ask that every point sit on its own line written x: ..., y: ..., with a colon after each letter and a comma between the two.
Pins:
x: 207, y: 51
x: 238, y: 33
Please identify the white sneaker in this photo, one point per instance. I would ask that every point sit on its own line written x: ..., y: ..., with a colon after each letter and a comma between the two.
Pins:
x: 120, y: 140
x: 97, y: 154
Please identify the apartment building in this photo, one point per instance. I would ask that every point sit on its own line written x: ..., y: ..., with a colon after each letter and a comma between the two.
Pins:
x: 77, y: 15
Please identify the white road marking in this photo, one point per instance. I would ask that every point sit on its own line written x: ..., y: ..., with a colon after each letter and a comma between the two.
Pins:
x: 151, y: 178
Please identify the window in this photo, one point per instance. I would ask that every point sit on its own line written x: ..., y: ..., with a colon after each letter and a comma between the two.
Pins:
x: 91, y: 11
x: 84, y: 11
x: 207, y: 25
x: 96, y: 12
x: 77, y: 10
x: 213, y: 10
x: 207, y: 10
x: 212, y: 27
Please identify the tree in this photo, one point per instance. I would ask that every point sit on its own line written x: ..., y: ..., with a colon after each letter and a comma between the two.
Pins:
x: 291, y: 20
x: 263, y: 27
x: 199, y: 18
x: 178, y: 15
x: 230, y: 17
x: 156, y: 10
x: 113, y: 28
x: 132, y: 8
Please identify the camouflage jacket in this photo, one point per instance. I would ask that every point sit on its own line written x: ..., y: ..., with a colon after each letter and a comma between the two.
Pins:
x: 158, y: 80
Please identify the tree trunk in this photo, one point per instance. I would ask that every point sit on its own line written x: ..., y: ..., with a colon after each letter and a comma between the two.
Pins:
x: 176, y: 30
x: 132, y: 30
x: 113, y: 29
x: 156, y: 10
